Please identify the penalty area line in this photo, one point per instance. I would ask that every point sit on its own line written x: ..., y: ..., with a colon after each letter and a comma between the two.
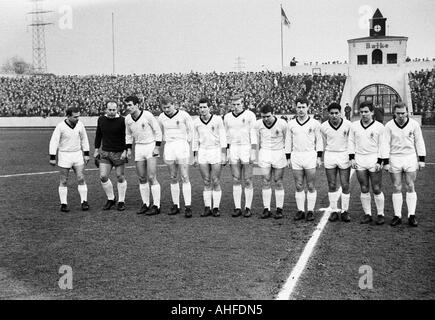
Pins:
x: 50, y: 172
x: 292, y: 280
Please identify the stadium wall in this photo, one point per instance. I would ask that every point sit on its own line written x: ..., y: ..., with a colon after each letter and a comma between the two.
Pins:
x: 344, y: 68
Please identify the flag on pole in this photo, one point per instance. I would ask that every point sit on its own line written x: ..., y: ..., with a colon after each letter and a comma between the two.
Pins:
x: 284, y: 18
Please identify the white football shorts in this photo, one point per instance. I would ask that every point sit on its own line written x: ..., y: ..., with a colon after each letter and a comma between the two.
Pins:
x: 336, y: 159
x: 209, y: 156
x: 366, y: 161
x: 403, y: 163
x: 272, y: 158
x: 176, y: 151
x: 304, y: 160
x: 239, y: 152
x: 66, y: 159
x: 144, y: 151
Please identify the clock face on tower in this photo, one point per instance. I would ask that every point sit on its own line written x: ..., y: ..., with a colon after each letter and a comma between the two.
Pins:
x: 377, y: 28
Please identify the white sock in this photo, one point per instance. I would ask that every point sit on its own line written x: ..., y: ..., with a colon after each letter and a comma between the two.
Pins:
x: 237, y: 195
x: 267, y: 196
x: 345, y: 198
x: 311, y: 200
x: 63, y: 195
x: 279, y: 198
x: 300, y: 200
x: 380, y: 201
x: 333, y: 199
x: 249, y: 193
x: 108, y: 189
x: 397, y: 204
x: 411, y: 202
x: 339, y: 193
x: 175, y: 193
x: 144, y: 189
x: 206, y: 194
x: 122, y: 189
x: 83, y: 192
x: 217, y: 198
x: 187, y: 193
x: 155, y: 191
x: 366, y: 203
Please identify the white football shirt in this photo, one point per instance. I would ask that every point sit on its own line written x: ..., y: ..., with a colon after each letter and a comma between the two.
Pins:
x: 69, y: 139
x: 240, y: 128
x: 145, y: 129
x: 178, y: 127
x: 210, y: 134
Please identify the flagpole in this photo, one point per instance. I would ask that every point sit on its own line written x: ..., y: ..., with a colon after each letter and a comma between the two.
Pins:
x: 282, y: 50
x: 113, y: 44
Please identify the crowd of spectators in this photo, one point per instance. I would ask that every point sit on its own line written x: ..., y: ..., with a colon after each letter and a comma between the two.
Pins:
x: 422, y: 84
x: 50, y: 95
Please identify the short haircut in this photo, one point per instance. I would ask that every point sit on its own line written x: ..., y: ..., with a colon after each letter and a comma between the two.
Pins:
x: 266, y: 108
x: 368, y: 104
x: 70, y: 110
x: 399, y: 105
x: 301, y: 100
x: 334, y: 105
x: 236, y: 96
x: 111, y: 101
x: 204, y: 100
x: 166, y: 100
x: 133, y: 99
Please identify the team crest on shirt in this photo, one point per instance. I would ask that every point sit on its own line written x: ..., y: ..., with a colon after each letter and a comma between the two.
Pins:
x: 372, y: 135
x: 277, y: 132
x: 212, y: 128
x: 310, y: 131
x: 143, y: 126
x: 243, y: 120
x: 410, y: 134
x: 178, y: 122
x: 345, y: 133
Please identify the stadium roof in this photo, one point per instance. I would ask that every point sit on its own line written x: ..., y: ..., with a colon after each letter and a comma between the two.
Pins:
x: 378, y: 38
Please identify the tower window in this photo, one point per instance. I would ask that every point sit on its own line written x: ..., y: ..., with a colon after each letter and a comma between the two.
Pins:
x: 392, y: 58
x: 362, y: 59
x: 377, y: 56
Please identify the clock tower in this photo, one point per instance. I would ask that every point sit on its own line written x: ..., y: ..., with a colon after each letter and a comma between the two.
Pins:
x: 377, y: 24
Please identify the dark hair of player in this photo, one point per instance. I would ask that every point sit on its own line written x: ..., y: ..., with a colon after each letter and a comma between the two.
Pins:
x: 69, y: 111
x: 134, y: 99
x: 204, y: 100
x: 266, y: 108
x: 334, y: 105
x: 301, y: 100
x: 368, y: 104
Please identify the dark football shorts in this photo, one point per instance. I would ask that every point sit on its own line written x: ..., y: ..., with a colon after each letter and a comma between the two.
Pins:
x: 113, y: 158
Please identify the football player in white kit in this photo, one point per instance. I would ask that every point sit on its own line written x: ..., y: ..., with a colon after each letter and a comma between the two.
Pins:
x: 209, y: 149
x: 177, y: 128
x: 70, y: 139
x: 142, y: 129
x: 407, y: 153
x: 367, y: 151
x: 272, y: 158
x: 306, y: 146
x: 335, y: 133
x: 241, y: 136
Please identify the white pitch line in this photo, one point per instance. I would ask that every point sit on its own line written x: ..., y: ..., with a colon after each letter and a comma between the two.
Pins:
x: 293, y: 278
x: 50, y: 172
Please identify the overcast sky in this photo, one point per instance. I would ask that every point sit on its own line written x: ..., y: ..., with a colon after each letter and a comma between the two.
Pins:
x: 162, y: 36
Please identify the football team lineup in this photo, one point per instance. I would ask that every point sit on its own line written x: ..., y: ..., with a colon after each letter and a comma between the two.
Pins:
x: 293, y: 268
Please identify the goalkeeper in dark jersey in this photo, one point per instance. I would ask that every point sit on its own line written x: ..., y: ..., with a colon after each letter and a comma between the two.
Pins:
x: 112, y: 153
